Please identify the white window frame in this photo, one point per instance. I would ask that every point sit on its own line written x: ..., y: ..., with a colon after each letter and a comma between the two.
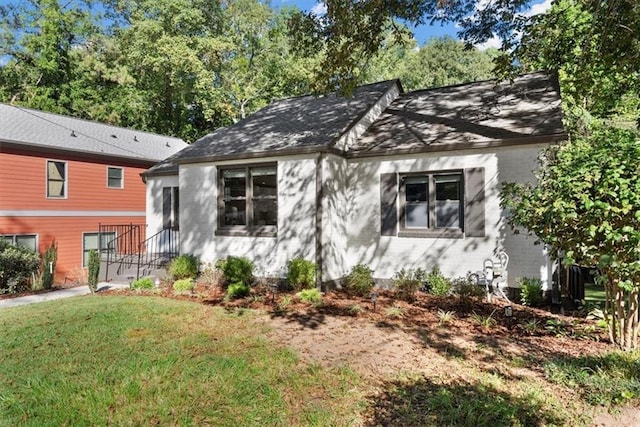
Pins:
x: 84, y: 250
x: 13, y: 238
x: 65, y: 186
x: 431, y: 230
x: 121, y: 177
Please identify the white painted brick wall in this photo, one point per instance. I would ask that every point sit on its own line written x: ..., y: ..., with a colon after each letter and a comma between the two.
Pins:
x: 154, y: 201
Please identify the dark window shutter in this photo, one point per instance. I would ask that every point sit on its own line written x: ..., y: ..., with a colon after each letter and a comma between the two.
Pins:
x: 474, y: 202
x: 176, y: 207
x: 388, y: 208
x: 166, y: 207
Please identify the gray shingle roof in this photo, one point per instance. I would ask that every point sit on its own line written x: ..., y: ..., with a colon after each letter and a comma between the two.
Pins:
x: 35, y: 128
x: 467, y: 115
x: 289, y: 124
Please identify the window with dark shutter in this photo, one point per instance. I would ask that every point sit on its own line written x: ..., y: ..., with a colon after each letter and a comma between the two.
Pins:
x: 388, y: 208
x: 474, y: 224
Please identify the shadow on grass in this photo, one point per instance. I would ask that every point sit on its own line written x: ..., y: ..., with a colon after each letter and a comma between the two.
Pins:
x: 460, y: 403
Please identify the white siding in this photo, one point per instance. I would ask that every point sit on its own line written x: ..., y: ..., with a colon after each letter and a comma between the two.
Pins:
x: 455, y: 257
x: 154, y: 200
x: 296, y: 217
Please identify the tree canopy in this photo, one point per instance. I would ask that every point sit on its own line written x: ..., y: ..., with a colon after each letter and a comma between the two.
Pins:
x: 593, y: 44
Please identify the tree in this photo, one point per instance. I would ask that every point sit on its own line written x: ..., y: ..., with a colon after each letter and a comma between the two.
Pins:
x: 440, y: 62
x: 586, y: 206
x: 593, y: 43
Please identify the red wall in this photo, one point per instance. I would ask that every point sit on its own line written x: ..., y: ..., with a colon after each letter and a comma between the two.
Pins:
x: 23, y: 188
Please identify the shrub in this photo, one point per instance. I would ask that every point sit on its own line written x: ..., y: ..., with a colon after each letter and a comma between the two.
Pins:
x: 359, y: 281
x: 50, y: 256
x: 407, y: 282
x: 144, y: 283
x: 438, y: 283
x: 17, y: 264
x: 237, y: 269
x: 93, y: 268
x: 301, y: 274
x: 237, y: 290
x: 310, y: 296
x: 211, y: 274
x: 466, y: 290
x: 530, y: 291
x: 184, y: 267
x: 182, y: 286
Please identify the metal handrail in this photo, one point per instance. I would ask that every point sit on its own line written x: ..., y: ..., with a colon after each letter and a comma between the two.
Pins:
x: 158, y: 249
x: 123, y: 247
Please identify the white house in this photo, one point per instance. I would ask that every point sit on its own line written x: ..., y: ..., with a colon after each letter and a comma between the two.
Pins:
x: 384, y: 178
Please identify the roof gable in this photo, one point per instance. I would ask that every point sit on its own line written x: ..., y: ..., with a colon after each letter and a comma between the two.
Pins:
x: 300, y: 123
x: 467, y: 115
x: 28, y: 127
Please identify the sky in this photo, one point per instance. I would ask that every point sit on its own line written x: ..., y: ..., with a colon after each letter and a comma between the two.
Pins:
x: 424, y: 32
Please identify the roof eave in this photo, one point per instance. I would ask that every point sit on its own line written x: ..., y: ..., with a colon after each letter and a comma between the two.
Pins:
x: 493, y: 143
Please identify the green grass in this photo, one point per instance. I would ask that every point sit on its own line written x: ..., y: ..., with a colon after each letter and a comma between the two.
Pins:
x: 143, y: 360
x: 594, y: 294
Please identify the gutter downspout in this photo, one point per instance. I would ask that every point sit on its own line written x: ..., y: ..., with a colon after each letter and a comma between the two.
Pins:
x: 319, y: 197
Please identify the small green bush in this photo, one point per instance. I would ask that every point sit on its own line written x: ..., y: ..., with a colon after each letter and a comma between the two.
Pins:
x: 17, y: 264
x: 48, y: 273
x: 237, y: 290
x: 184, y: 267
x: 359, y: 281
x: 407, y: 282
x: 466, y: 290
x: 93, y: 268
x: 438, y: 283
x: 301, y: 274
x: 237, y: 269
x: 310, y: 296
x: 530, y: 291
x: 182, y: 285
x: 144, y: 283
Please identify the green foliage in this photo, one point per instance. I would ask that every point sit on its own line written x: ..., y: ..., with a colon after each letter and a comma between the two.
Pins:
x: 301, y: 274
x: 601, y: 380
x: 484, y: 321
x: 395, y: 312
x: 48, y: 273
x: 184, y: 267
x: 407, y: 282
x: 237, y: 290
x: 310, y: 296
x: 182, y: 286
x: 17, y: 264
x: 93, y: 269
x: 359, y: 281
x: 445, y: 317
x: 142, y: 284
x: 237, y: 269
x: 438, y: 283
x: 530, y: 291
x: 442, y: 62
x: 586, y: 205
x: 466, y: 289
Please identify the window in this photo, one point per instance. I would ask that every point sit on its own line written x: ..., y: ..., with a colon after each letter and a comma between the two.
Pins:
x: 170, y: 207
x: 431, y: 202
x: 114, y: 177
x: 95, y: 241
x: 28, y: 241
x: 56, y: 179
x: 249, y: 199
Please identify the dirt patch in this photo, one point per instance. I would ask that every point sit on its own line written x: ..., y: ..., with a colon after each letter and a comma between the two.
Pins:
x: 425, y: 337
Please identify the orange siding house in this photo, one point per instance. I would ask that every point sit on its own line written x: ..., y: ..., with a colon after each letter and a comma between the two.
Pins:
x: 61, y: 178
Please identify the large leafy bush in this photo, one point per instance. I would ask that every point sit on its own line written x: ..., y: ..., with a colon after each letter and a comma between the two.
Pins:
x: 17, y: 265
